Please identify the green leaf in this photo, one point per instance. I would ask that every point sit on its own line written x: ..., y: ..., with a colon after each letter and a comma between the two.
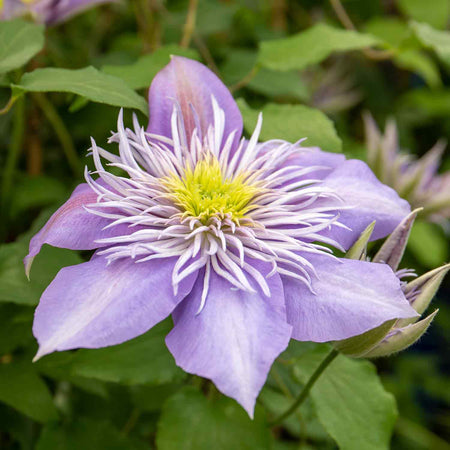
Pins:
x: 23, y: 389
x: 350, y: 401
x: 428, y: 243
x: 152, y: 397
x: 140, y: 74
x: 88, y: 82
x: 15, y: 326
x: 409, y: 56
x: 293, y: 122
x: 275, y: 84
x: 214, y: 16
x: 143, y: 360
x: 19, y: 42
x: 436, y: 14
x: 437, y: 40
x: 423, y: 65
x: 87, y: 435
x: 311, y: 47
x: 34, y: 192
x: 421, y: 105
x: 189, y: 421
x: 14, y: 286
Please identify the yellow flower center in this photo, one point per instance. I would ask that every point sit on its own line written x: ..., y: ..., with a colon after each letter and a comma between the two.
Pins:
x: 204, y: 192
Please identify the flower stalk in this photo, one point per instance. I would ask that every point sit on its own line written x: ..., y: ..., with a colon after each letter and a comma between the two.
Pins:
x: 305, y: 391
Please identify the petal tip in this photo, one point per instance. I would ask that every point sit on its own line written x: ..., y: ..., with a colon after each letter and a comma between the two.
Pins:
x: 28, y: 261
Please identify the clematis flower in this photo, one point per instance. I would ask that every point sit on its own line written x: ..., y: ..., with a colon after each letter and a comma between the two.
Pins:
x: 50, y: 12
x: 417, y: 181
x: 230, y: 236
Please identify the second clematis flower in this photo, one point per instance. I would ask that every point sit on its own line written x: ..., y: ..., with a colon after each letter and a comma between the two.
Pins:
x: 230, y: 236
x: 50, y: 12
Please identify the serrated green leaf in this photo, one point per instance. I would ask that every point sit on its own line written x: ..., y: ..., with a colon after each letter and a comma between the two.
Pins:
x: 23, y: 389
x: 437, y: 40
x: 19, y: 42
x: 88, y: 82
x: 143, y: 360
x: 293, y: 122
x: 311, y: 47
x: 191, y: 422
x: 140, y: 74
x: 350, y: 401
x: 87, y: 435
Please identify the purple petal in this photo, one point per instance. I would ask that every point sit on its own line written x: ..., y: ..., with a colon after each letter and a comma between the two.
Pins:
x: 315, y: 157
x: 53, y: 12
x: 350, y: 297
x: 71, y: 226
x: 94, y: 305
x: 191, y: 85
x: 235, y: 338
x: 369, y: 200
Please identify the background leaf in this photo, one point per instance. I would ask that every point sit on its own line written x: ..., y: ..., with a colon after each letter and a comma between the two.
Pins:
x: 140, y: 74
x: 311, y: 47
x: 23, y: 389
x: 350, y: 401
x: 143, y: 360
x: 293, y: 122
x: 437, y: 40
x: 14, y: 286
x: 19, y: 42
x: 88, y: 82
x: 87, y: 435
x: 435, y: 14
x: 189, y: 421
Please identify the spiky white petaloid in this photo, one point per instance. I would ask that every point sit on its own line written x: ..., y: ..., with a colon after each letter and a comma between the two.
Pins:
x: 229, y: 236
x: 212, y: 209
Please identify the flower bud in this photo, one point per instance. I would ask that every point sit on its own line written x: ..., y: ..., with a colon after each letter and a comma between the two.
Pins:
x: 394, y: 335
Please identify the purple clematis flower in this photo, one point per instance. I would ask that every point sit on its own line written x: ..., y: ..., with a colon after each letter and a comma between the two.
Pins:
x: 50, y: 12
x: 229, y: 236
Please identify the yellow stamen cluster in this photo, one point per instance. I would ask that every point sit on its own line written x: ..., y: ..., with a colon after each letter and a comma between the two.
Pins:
x: 204, y: 193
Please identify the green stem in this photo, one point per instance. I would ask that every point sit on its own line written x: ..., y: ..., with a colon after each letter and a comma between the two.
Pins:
x: 16, y: 143
x: 305, y: 391
x: 242, y: 83
x: 61, y: 132
x: 189, y: 25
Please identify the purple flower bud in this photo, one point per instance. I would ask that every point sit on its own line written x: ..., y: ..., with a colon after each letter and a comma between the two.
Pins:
x: 395, y: 335
x: 418, y: 180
